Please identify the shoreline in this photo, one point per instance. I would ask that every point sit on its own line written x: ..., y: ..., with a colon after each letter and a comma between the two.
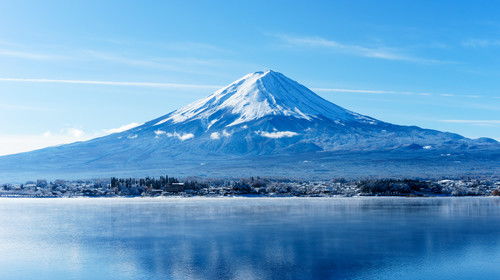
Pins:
x: 252, y: 187
x: 160, y: 198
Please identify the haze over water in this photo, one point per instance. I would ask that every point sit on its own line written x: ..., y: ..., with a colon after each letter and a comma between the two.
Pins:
x: 250, y: 238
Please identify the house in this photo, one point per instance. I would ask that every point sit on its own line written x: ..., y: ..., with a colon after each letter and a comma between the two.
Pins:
x: 175, y: 187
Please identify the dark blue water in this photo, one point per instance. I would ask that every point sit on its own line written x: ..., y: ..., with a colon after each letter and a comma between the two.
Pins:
x: 264, y: 238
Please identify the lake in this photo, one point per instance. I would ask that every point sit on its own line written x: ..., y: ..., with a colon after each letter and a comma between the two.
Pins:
x: 250, y: 238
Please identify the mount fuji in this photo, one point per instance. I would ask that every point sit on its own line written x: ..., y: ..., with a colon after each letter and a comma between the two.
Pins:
x: 263, y: 124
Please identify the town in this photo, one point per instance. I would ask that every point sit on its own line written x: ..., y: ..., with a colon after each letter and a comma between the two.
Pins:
x: 253, y: 186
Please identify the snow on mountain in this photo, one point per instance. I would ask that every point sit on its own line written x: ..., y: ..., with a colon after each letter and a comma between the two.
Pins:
x: 268, y: 113
x: 258, y: 95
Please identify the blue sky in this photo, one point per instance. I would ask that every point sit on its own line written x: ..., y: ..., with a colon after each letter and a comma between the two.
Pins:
x: 73, y: 70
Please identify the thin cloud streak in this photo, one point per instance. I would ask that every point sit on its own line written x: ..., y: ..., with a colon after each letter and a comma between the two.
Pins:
x: 481, y: 43
x: 163, y: 63
x: 474, y: 122
x: 342, y: 90
x: 176, y: 64
x: 112, y: 83
x: 170, y: 46
x: 373, y: 52
x: 368, y: 91
x: 29, y: 55
x: 215, y: 87
x: 351, y: 90
x: 13, y: 107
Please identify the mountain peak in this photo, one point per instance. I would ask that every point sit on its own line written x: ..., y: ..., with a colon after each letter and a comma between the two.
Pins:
x: 265, y: 72
x: 259, y: 79
x: 257, y: 95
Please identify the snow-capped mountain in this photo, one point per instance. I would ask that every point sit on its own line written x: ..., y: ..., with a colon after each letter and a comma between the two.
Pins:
x: 263, y: 114
x: 268, y: 113
x: 258, y: 95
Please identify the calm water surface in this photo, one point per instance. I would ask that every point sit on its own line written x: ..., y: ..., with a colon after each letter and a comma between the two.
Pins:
x: 250, y: 238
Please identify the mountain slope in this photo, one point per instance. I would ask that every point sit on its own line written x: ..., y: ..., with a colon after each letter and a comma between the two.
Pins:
x: 261, y: 114
x: 257, y: 95
x: 266, y: 113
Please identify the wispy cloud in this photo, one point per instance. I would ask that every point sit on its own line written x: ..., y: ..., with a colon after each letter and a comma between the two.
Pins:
x: 475, y: 122
x: 343, y: 90
x: 122, y: 128
x: 194, y: 86
x: 182, y: 46
x: 90, y: 54
x: 112, y: 83
x: 164, y: 63
x: 183, y: 64
x: 197, y: 47
x: 481, y: 43
x: 371, y: 91
x: 11, y: 144
x: 18, y: 143
x: 29, y: 55
x: 386, y: 53
x: 212, y: 87
x: 15, y: 107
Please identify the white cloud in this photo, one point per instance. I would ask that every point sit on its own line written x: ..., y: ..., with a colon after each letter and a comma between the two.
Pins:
x: 194, y: 46
x: 183, y: 64
x: 180, y: 136
x: 277, y: 134
x: 17, y: 143
x: 75, y: 132
x: 196, y: 86
x: 168, y: 64
x: 171, y: 46
x: 217, y: 135
x: 111, y: 83
x: 372, y: 91
x: 481, y: 43
x: 373, y: 52
x: 28, y: 55
x: 122, y: 128
x: 474, y: 122
x: 165, y: 63
x: 214, y: 135
x: 353, y: 90
x: 160, y: 132
x: 15, y: 107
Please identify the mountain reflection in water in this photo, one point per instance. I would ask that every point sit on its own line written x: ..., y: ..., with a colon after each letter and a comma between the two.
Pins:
x: 250, y: 238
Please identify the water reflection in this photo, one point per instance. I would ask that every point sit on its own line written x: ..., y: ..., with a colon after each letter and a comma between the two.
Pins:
x: 354, y: 238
